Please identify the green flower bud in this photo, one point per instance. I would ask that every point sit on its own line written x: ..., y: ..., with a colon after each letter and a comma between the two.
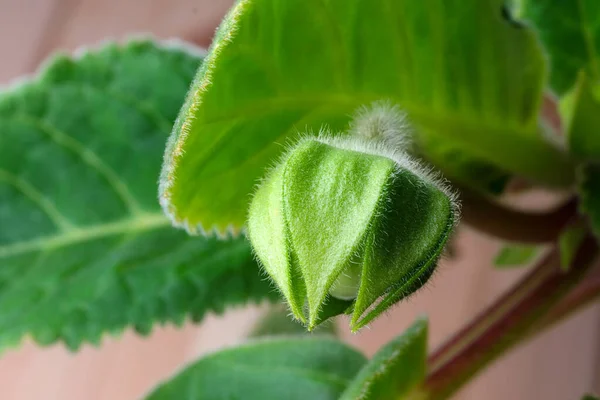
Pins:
x: 346, y: 227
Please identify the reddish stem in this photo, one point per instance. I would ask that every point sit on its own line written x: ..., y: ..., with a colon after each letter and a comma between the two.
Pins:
x: 586, y: 293
x: 509, y: 321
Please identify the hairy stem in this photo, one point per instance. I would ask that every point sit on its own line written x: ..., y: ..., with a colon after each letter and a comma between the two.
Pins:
x: 489, y: 217
x: 513, y: 318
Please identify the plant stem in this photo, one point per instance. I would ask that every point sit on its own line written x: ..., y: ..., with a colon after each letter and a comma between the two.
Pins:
x: 513, y: 318
x: 487, y: 216
x: 584, y: 294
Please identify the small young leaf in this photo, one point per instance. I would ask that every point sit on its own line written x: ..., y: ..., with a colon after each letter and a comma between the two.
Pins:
x: 569, y: 241
x: 84, y: 247
x: 283, y: 368
x: 580, y: 111
x: 469, y: 79
x: 570, y: 31
x: 590, y: 397
x: 396, y: 370
x: 515, y: 256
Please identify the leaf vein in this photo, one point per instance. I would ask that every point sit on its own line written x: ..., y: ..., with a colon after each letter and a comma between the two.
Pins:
x: 41, y: 201
x: 90, y: 158
x: 141, y: 223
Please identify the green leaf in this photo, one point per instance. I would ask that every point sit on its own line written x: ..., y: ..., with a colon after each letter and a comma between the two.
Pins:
x: 570, y: 32
x: 590, y: 397
x: 396, y: 370
x: 84, y: 246
x: 569, y: 241
x: 580, y: 112
x: 470, y: 80
x: 291, y: 368
x: 515, y: 256
x: 589, y: 193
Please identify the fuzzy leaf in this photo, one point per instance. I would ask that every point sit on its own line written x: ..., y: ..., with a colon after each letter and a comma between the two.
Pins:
x: 84, y: 246
x: 470, y: 79
x: 291, y: 369
x: 570, y: 31
x: 396, y: 370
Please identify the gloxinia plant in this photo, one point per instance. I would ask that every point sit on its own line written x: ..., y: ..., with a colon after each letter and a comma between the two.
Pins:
x: 320, y: 161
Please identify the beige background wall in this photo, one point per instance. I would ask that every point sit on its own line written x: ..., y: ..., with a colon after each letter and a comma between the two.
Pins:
x: 559, y: 365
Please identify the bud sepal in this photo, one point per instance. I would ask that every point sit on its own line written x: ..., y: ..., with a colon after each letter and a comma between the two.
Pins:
x: 341, y: 225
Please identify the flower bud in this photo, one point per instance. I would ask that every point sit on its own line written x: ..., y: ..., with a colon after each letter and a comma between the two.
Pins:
x: 346, y: 227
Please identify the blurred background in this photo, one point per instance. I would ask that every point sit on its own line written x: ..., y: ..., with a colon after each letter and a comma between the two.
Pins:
x: 558, y: 365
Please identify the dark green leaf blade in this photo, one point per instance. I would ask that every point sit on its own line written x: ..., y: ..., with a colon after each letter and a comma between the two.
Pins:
x: 570, y: 32
x: 580, y: 111
x: 84, y: 246
x: 589, y: 193
x: 472, y: 89
x: 283, y: 368
x: 569, y: 241
x: 396, y: 370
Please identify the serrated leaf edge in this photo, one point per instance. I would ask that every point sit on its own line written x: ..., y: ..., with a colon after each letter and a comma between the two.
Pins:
x: 181, y: 130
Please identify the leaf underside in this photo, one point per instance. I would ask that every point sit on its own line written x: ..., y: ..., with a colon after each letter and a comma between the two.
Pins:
x: 470, y: 80
x: 282, y: 368
x: 84, y: 246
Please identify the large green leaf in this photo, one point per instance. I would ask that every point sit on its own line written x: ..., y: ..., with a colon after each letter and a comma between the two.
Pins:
x: 570, y: 31
x: 397, y: 369
x: 84, y: 246
x: 470, y: 79
x: 290, y: 368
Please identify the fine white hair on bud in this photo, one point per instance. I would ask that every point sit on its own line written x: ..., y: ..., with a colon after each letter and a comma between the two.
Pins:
x: 348, y: 224
x: 399, y: 155
x: 382, y: 121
